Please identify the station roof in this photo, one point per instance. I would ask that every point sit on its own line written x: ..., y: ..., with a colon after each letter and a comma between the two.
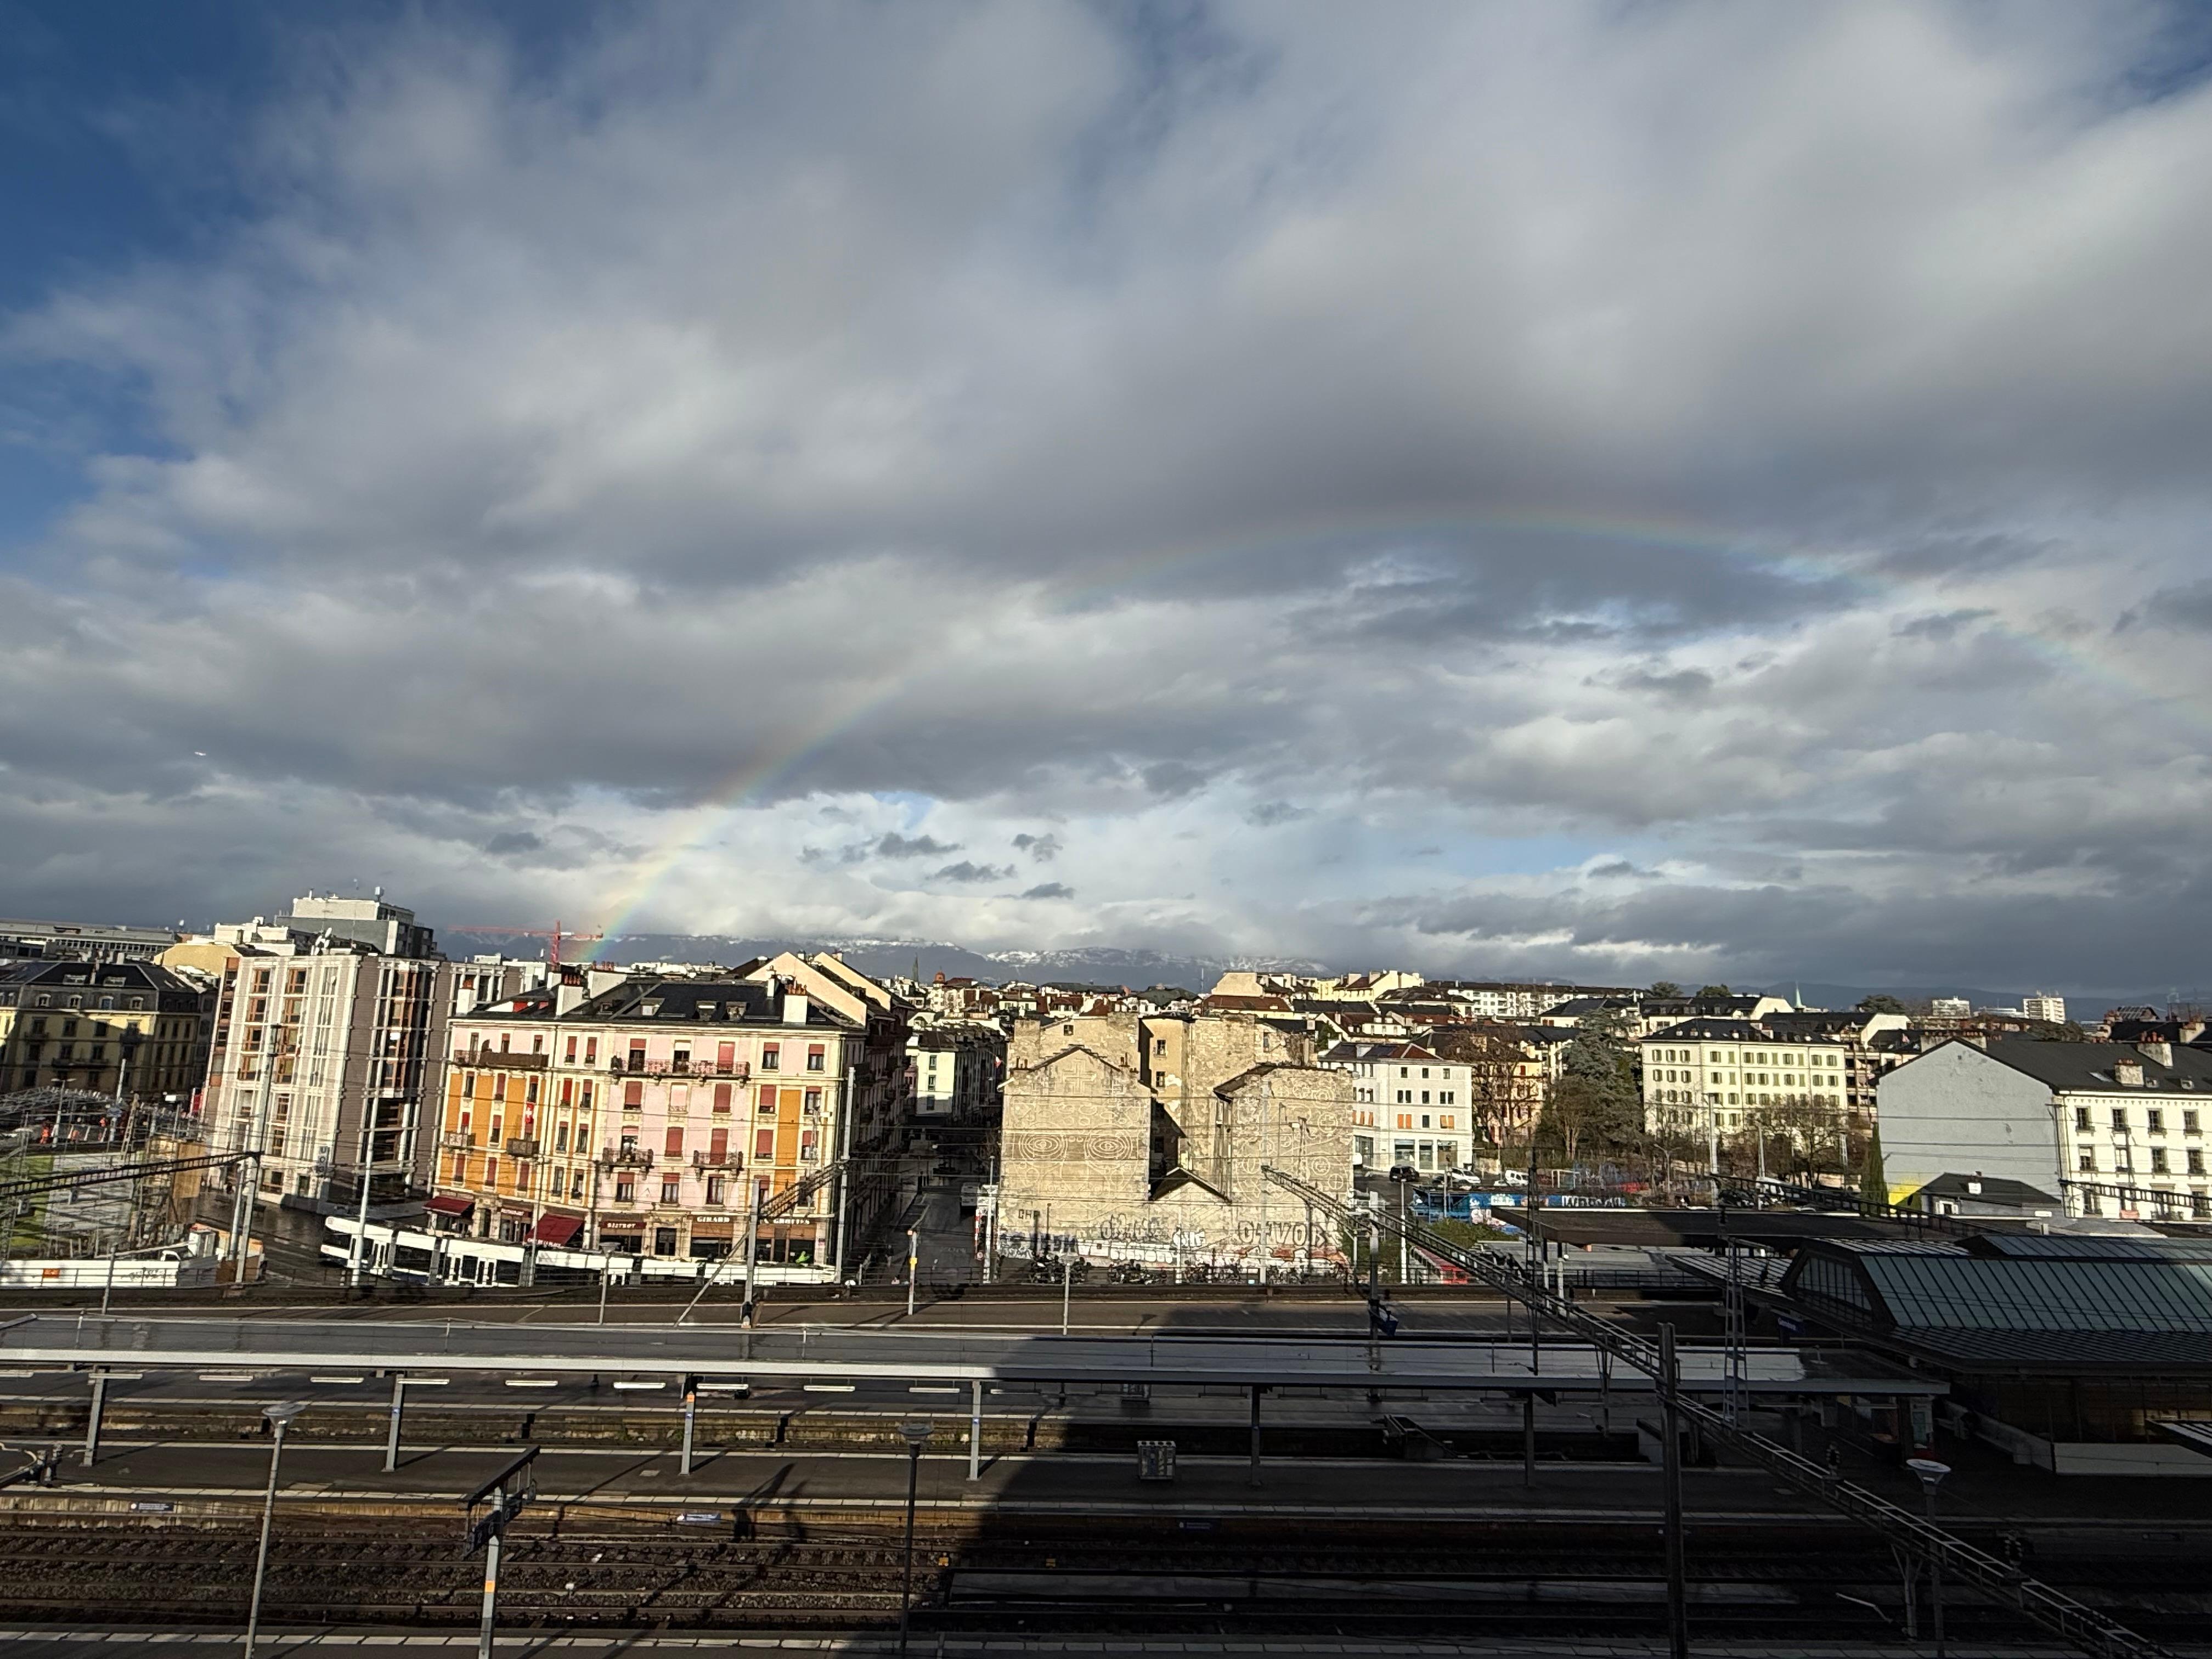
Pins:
x: 840, y: 1354
x: 2025, y: 1302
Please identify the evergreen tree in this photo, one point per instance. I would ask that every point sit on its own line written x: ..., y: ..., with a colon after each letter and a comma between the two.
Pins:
x: 1596, y: 1103
x: 1873, y: 1181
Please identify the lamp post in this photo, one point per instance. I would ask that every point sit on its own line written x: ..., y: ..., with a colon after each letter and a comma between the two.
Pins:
x: 280, y: 1418
x: 1931, y: 1474
x: 917, y: 1436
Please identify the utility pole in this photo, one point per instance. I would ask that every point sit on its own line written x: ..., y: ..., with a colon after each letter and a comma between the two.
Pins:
x: 1678, y: 1616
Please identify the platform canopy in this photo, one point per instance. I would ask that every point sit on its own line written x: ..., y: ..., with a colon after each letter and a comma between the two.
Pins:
x: 838, y: 1353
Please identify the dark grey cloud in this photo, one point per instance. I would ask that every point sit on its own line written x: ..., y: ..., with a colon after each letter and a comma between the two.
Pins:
x: 1043, y: 849
x: 1269, y: 813
x: 513, y: 841
x: 1050, y: 889
x: 896, y: 846
x: 2186, y: 608
x: 969, y: 872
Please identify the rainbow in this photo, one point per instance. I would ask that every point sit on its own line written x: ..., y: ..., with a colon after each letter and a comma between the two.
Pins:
x: 790, y: 751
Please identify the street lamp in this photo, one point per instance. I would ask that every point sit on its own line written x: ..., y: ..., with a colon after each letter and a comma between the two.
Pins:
x: 1931, y: 1474
x: 917, y: 1434
x: 280, y: 1418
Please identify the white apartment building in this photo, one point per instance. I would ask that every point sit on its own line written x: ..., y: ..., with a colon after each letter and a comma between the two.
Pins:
x: 2042, y: 1004
x: 1711, y: 1077
x: 2108, y: 1127
x: 1410, y: 1106
x: 957, y: 1068
x: 320, y: 1057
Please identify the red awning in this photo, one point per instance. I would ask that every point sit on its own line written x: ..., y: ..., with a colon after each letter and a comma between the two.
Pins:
x: 447, y: 1203
x: 556, y: 1228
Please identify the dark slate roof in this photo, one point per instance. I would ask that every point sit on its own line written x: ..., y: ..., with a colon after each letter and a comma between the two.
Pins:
x: 697, y: 1001
x: 1711, y: 1031
x: 1985, y: 1189
x: 2088, y: 1065
x: 1344, y: 1053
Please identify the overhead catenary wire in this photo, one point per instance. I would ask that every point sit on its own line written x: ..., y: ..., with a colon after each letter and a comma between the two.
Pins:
x: 2054, y: 1611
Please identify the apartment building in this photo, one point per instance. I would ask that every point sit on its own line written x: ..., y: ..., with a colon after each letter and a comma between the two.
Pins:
x: 1713, y: 1077
x: 2110, y: 1129
x: 1131, y: 1136
x: 325, y: 1051
x: 1410, y: 1106
x: 642, y: 1121
x: 121, y: 1027
x: 2045, y: 1005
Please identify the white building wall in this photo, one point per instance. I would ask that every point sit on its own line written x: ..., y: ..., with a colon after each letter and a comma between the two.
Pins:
x: 1956, y: 1111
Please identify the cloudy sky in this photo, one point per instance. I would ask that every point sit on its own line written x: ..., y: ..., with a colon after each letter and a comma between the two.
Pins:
x: 1614, y: 491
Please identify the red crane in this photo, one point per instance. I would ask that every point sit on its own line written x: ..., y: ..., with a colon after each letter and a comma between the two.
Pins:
x: 553, y: 935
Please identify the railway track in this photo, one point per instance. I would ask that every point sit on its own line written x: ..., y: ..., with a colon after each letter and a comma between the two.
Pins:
x: 1089, y: 1581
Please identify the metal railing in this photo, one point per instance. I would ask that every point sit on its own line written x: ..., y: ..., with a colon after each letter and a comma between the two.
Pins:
x: 2061, y: 1614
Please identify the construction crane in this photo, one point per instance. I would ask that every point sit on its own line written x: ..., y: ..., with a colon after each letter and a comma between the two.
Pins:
x: 552, y: 935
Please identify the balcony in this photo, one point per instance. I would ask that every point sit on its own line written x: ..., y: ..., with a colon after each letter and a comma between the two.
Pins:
x: 737, y: 1070
x: 625, y: 1158
x: 457, y: 1140
x: 731, y: 1159
x: 520, y: 1146
x: 500, y: 1060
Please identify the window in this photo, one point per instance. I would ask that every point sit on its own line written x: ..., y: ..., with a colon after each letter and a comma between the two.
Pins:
x: 813, y: 1101
x: 570, y: 1057
x: 2196, y: 1161
x: 815, y: 1057
x: 561, y: 1138
x: 576, y: 1185
x: 626, y: 1189
x: 1424, y: 1097
x: 633, y: 1096
x: 591, y: 1051
x: 764, y: 1145
x: 1405, y: 1097
x: 672, y: 1189
x: 672, y: 1144
x: 2081, y: 1117
x: 771, y: 1057
x: 767, y: 1100
x: 2189, y: 1122
x: 2154, y: 1121
x: 2158, y: 1160
x: 722, y: 1098
x: 491, y: 1167
x: 726, y: 1056
x: 2120, y: 1117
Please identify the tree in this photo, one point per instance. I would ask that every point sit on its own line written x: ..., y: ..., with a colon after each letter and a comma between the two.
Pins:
x: 1881, y: 1003
x: 1715, y: 991
x: 1596, y: 1089
x: 1665, y: 987
x: 1873, y: 1181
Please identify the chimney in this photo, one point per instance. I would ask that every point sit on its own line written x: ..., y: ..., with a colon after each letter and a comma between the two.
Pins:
x: 2159, y: 1051
x: 2191, y: 1030
x: 2128, y: 1073
x: 794, y: 1008
x: 567, y: 996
